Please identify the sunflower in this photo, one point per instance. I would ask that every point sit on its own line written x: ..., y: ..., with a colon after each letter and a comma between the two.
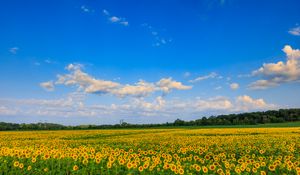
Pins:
x: 198, y: 168
x: 129, y: 165
x: 263, y: 173
x: 29, y: 168
x: 75, y: 168
x: 16, y: 164
x: 219, y: 171
x: 97, y: 161
x: 85, y: 161
x: 141, y: 168
x: 212, y: 167
x: 205, y: 169
x: 21, y: 165
x: 272, y: 167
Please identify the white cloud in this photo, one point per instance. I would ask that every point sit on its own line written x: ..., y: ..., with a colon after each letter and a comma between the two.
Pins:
x: 295, y: 31
x: 124, y: 23
x: 84, y: 81
x: 49, y: 86
x: 14, y: 50
x: 159, y: 38
x: 205, y: 77
x: 84, y: 9
x: 264, y: 84
x: 4, y: 111
x: 48, y: 61
x: 89, y: 84
x: 278, y: 73
x: 143, y: 105
x: 140, y: 89
x: 74, y: 66
x: 246, y: 103
x: 216, y: 103
x: 234, y: 86
x: 167, y: 84
x: 115, y: 19
x: 73, y: 105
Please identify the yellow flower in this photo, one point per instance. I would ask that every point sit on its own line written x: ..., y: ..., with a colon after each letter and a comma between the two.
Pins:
x: 141, y: 168
x: 21, y: 165
x: 212, y: 167
x: 16, y: 164
x: 198, y: 168
x: 205, y: 169
x: 85, y: 161
x: 29, y: 168
x: 263, y: 173
x: 219, y: 171
x: 75, y: 168
x: 272, y: 167
x: 129, y: 165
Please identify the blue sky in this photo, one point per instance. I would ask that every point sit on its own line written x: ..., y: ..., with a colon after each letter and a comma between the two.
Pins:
x: 97, y: 62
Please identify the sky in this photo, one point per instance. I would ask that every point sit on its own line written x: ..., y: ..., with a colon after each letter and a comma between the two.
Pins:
x: 152, y: 61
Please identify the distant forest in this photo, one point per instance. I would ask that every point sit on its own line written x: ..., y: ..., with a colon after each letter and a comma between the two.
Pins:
x: 251, y: 118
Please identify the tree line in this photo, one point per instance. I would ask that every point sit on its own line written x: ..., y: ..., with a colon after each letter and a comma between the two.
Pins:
x: 250, y: 118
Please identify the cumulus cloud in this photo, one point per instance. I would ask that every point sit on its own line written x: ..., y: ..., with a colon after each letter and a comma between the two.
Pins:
x: 216, y: 103
x: 234, y: 86
x: 84, y: 81
x: 140, y: 89
x: 156, y: 105
x: 167, y: 84
x: 295, y: 31
x: 14, y: 50
x: 278, y: 73
x: 115, y: 19
x: 48, y: 86
x: 205, y: 77
x: 89, y: 84
x: 246, y: 103
x: 73, y: 105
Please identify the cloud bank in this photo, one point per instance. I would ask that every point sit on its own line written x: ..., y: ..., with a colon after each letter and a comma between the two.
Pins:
x: 88, y: 84
x: 73, y: 105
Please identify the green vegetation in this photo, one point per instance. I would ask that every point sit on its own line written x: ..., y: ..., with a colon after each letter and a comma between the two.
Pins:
x: 271, y: 118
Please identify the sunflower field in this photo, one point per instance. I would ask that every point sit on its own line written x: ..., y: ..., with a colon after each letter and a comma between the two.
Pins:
x: 152, y: 151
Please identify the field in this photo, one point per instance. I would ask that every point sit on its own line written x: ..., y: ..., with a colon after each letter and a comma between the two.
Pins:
x: 152, y: 151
